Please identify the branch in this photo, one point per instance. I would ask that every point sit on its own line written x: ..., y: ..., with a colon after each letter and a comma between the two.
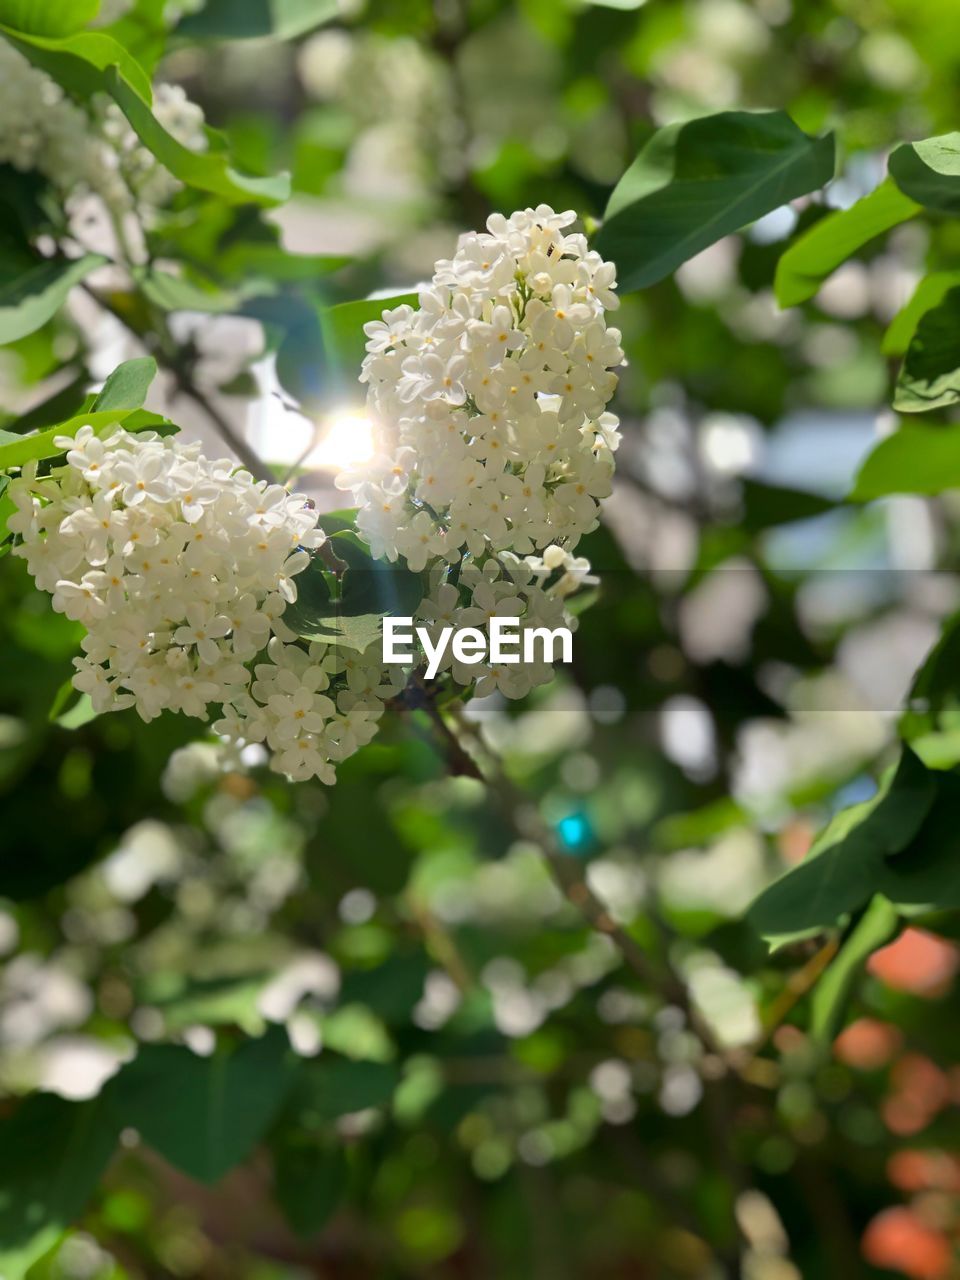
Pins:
x: 566, y: 869
x: 185, y: 385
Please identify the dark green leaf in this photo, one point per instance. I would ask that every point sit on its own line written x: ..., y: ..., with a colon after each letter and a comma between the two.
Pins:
x: 924, y: 874
x: 930, y: 377
x: 52, y: 1155
x: 766, y: 505
x: 344, y: 341
x: 835, y: 238
x: 34, y: 298
x: 931, y: 290
x: 841, y: 872
x: 204, y: 1115
x: 127, y: 386
x: 929, y: 172
x: 310, y: 1178
x: 351, y: 611
x: 282, y: 19
x: 332, y: 1086
x: 696, y: 182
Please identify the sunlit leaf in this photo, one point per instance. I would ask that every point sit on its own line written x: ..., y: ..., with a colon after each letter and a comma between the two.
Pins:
x: 914, y: 459
x: 127, y: 387
x: 831, y: 241
x: 696, y: 182
x: 48, y: 17
x: 929, y: 172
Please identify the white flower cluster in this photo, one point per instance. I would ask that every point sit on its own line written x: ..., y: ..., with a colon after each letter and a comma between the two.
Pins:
x: 494, y: 449
x: 144, y: 179
x: 42, y: 129
x: 489, y: 410
x: 180, y: 568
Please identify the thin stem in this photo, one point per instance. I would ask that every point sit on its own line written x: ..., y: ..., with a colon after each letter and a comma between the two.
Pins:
x: 721, y: 1088
x: 248, y: 456
x: 184, y: 385
x: 566, y: 869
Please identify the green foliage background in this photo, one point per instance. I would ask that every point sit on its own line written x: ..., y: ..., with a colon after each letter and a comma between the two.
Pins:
x: 578, y: 1019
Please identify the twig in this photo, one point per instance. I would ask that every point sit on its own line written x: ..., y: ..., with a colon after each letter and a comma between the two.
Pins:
x: 565, y: 868
x: 247, y: 456
x: 796, y: 987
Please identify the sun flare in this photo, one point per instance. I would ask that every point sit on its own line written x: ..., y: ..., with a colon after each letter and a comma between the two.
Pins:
x: 345, y: 441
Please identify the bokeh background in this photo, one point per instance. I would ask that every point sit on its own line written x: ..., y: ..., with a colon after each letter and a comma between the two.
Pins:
x: 501, y: 1099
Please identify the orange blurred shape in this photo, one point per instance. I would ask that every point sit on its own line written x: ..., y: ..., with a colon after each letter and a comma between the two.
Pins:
x: 919, y: 1090
x: 931, y: 1170
x: 867, y: 1044
x: 898, y: 1240
x: 918, y: 962
x: 795, y: 839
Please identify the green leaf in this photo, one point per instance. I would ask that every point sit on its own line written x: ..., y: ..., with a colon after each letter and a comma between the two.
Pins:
x: 127, y: 386
x: 350, y: 611
x: 914, y: 459
x: 79, y: 62
x: 204, y: 1115
x: 282, y: 19
x: 48, y: 17
x: 91, y: 62
x: 332, y: 1086
x: 42, y: 443
x: 213, y: 1002
x: 309, y: 1179
x: 835, y: 238
x: 70, y: 709
x: 206, y: 170
x: 32, y: 299
x: 341, y: 327
x: 931, y: 290
x: 174, y: 293
x: 322, y: 348
x: 922, y: 875
x: 766, y: 505
x: 874, y: 928
x: 52, y: 1155
x: 939, y: 675
x: 929, y: 172
x: 696, y: 182
x: 842, y: 870
x: 930, y: 376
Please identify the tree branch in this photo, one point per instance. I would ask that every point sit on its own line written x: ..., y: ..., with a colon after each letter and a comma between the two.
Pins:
x: 247, y: 456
